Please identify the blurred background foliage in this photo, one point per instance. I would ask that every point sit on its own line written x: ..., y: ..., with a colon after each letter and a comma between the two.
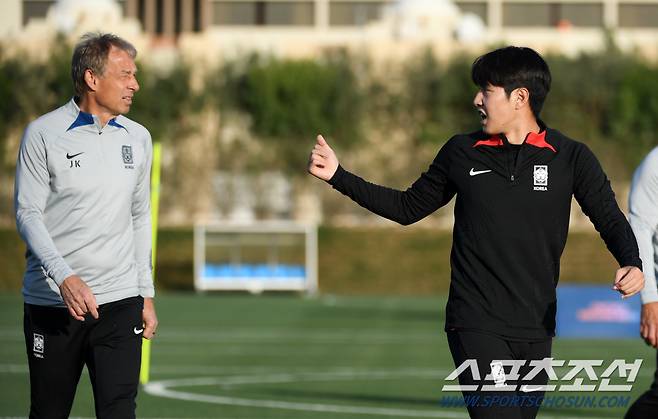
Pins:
x: 605, y: 99
x: 372, y: 264
x: 288, y: 101
x: 164, y: 98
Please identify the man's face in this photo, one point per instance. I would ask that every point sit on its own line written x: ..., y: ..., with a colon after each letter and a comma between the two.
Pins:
x: 116, y: 87
x: 496, y: 110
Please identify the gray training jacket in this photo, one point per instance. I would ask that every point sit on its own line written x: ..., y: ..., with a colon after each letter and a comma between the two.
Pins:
x: 643, y: 216
x: 82, y: 205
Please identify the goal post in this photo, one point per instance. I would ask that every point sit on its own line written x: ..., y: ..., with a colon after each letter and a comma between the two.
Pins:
x: 256, y: 257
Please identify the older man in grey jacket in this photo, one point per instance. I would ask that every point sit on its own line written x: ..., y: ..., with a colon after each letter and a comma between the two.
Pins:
x: 82, y: 208
x: 643, y: 206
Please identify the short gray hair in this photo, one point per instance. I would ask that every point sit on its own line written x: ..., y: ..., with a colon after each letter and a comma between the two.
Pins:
x: 91, y: 53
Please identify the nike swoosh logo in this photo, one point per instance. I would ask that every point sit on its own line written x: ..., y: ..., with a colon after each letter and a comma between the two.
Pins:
x: 70, y: 156
x: 474, y: 172
x: 528, y: 389
x: 138, y: 331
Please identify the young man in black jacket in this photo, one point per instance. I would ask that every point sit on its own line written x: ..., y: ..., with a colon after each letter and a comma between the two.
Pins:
x: 513, y: 182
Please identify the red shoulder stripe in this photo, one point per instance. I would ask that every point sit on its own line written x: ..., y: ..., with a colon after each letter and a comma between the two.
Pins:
x: 539, y: 140
x: 494, y: 141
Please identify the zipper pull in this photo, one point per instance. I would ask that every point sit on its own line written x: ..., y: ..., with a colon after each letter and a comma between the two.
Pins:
x: 511, y: 178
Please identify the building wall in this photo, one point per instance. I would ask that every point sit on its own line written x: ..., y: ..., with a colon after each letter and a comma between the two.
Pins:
x: 568, y: 26
x: 11, y: 17
x: 170, y: 17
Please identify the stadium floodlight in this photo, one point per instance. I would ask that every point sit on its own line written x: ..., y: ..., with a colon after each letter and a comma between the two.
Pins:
x: 256, y: 257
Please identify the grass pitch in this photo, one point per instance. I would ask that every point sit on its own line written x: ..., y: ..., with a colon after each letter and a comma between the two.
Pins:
x: 283, y: 356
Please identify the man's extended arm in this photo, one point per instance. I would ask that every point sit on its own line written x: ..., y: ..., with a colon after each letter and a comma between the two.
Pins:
x: 595, y: 196
x: 430, y: 192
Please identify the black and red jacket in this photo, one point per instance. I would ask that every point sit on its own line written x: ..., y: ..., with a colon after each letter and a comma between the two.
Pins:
x: 511, y: 222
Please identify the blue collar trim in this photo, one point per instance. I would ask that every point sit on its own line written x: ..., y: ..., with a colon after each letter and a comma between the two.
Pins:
x: 114, y: 123
x: 83, y: 118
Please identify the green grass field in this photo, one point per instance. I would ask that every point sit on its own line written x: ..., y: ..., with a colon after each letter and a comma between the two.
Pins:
x: 352, y: 261
x: 285, y: 356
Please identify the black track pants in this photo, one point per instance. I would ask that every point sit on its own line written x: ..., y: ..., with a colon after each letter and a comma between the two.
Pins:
x: 485, y: 348
x: 646, y: 406
x: 58, y: 347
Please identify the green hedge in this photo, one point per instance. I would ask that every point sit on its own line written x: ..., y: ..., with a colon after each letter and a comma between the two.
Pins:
x: 30, y: 89
x: 289, y: 102
x: 392, y: 260
x: 606, y: 99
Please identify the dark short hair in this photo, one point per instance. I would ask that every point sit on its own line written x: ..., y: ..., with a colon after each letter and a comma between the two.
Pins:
x: 511, y: 68
x: 91, y: 53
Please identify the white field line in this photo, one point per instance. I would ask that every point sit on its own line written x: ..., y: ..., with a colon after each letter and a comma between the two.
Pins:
x: 155, y: 390
x: 163, y: 389
x: 283, y: 377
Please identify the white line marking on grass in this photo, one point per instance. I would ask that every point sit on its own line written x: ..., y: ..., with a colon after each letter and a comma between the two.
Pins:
x: 156, y: 390
x: 285, y: 377
x: 163, y: 388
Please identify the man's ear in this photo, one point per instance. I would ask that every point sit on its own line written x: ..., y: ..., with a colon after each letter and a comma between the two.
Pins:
x: 91, y: 80
x: 521, y: 97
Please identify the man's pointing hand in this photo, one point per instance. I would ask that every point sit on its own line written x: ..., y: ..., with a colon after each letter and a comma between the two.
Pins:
x: 322, y: 162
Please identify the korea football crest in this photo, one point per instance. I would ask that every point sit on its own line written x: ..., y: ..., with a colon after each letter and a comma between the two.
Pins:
x: 127, y: 154
x: 38, y: 345
x: 540, y: 177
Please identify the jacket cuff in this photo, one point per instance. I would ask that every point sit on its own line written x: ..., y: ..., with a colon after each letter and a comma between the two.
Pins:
x: 147, y: 292
x: 635, y: 261
x: 335, y: 179
x: 653, y: 298
x: 60, y: 273
x: 146, y: 286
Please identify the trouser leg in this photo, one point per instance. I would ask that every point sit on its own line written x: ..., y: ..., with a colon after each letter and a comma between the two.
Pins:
x: 54, y: 342
x: 486, y: 349
x: 114, y: 358
x: 531, y: 351
x: 646, y: 406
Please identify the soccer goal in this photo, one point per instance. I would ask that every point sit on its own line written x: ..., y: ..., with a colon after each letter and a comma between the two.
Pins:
x: 273, y: 256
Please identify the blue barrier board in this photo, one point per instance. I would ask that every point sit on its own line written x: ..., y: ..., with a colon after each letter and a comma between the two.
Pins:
x: 595, y: 311
x: 247, y: 271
